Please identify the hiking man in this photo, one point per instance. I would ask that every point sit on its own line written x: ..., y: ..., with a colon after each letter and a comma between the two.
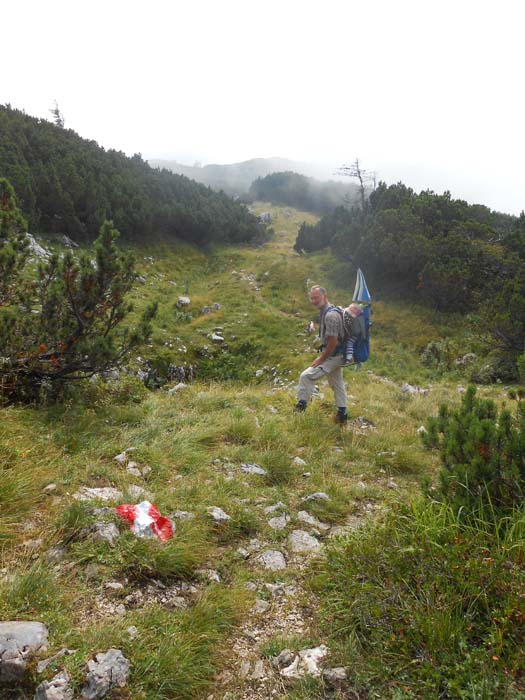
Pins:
x: 327, y: 364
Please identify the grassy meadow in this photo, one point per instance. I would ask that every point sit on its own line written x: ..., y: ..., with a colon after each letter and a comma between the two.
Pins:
x: 194, y: 440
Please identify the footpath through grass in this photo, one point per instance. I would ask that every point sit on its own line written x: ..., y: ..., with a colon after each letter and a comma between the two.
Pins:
x: 188, y: 447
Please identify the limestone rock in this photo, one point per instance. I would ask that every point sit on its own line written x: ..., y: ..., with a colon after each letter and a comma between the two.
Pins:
x: 218, y: 514
x: 252, y: 469
x: 272, y: 509
x: 57, y: 688
x: 306, y: 663
x: 107, y: 671
x: 280, y: 522
x: 105, y: 532
x: 183, y: 301
x: 335, y: 676
x: 107, y: 493
x: 271, y: 559
x: 301, y: 542
x: 18, y: 640
x: 305, y: 517
x: 317, y: 496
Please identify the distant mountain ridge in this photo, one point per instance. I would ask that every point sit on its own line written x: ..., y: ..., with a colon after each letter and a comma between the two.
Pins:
x: 236, y: 178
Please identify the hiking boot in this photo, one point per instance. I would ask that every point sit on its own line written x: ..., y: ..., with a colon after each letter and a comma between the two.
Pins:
x: 341, y: 417
x: 300, y: 407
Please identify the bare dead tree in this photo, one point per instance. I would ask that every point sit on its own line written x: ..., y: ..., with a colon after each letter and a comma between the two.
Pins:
x: 365, y: 177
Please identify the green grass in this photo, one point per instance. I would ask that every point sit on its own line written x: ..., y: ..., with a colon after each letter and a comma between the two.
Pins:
x: 194, y: 442
x: 420, y: 604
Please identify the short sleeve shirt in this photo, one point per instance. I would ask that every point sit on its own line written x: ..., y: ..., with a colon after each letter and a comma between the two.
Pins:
x: 331, y: 325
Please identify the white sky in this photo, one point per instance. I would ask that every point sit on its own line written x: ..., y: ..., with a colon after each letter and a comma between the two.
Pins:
x: 427, y: 92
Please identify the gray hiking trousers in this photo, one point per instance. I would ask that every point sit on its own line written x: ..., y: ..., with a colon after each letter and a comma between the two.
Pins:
x: 332, y: 370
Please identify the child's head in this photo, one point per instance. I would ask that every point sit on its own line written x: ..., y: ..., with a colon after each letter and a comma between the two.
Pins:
x: 354, y: 310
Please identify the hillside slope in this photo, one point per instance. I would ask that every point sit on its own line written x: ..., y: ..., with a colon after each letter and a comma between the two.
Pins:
x: 203, y: 612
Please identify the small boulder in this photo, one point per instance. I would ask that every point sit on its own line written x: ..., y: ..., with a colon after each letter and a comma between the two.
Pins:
x: 18, y: 641
x: 305, y: 517
x: 57, y: 688
x: 335, y: 677
x: 271, y: 559
x: 105, y: 532
x: 300, y: 542
x: 107, y: 671
x: 280, y: 522
x: 183, y: 301
x: 318, y: 496
x: 218, y: 514
x: 253, y: 469
x: 107, y: 493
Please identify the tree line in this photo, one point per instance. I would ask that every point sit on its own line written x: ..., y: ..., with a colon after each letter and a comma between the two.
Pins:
x: 70, y: 185
x: 442, y: 251
x: 293, y: 190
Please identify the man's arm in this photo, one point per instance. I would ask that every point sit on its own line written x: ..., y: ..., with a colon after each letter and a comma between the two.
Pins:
x: 331, y: 344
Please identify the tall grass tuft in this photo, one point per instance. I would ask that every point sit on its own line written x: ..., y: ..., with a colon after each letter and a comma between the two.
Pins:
x: 423, y: 603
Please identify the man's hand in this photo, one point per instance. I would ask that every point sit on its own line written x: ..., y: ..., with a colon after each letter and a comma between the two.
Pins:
x: 331, y: 344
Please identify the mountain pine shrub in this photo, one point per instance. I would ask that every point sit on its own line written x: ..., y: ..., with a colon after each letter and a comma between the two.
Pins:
x: 482, y: 453
x: 58, y: 323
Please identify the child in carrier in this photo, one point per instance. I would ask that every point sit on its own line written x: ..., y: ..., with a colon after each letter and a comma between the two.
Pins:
x: 354, y: 327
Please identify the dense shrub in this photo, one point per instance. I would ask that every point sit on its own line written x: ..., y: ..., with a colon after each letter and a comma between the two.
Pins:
x: 483, y: 454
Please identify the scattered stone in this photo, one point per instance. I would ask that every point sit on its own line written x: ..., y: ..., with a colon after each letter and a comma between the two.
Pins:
x: 139, y: 493
x: 114, y: 586
x: 305, y: 517
x: 183, y: 301
x: 105, y: 532
x: 254, y: 545
x: 55, y: 554
x: 18, y: 641
x: 218, y: 514
x: 318, y: 496
x: 109, y: 670
x: 132, y: 631
x: 306, y: 663
x: 272, y: 560
x: 130, y: 469
x: 307, y: 474
x: 107, y: 493
x: 49, y: 488
x: 121, y: 458
x: 250, y: 586
x: 284, y: 659
x: 391, y: 485
x: 467, y: 359
x: 120, y: 610
x: 421, y: 430
x: 272, y: 509
x: 177, y: 387
x: 335, y: 677
x: 68, y: 242
x: 57, y: 688
x: 244, y: 553
x: 42, y: 665
x: 253, y: 469
x: 386, y: 454
x: 182, y: 515
x: 299, y: 462
x: 91, y: 570
x: 216, y: 338
x: 260, y: 606
x: 461, y: 389
x: 258, y: 671
x: 301, y: 542
x: 280, y: 522
x: 36, y: 250
x: 32, y: 545
x: 209, y: 574
x: 409, y: 389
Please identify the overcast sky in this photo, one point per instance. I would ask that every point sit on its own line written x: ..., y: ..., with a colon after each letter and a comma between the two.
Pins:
x: 427, y: 92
